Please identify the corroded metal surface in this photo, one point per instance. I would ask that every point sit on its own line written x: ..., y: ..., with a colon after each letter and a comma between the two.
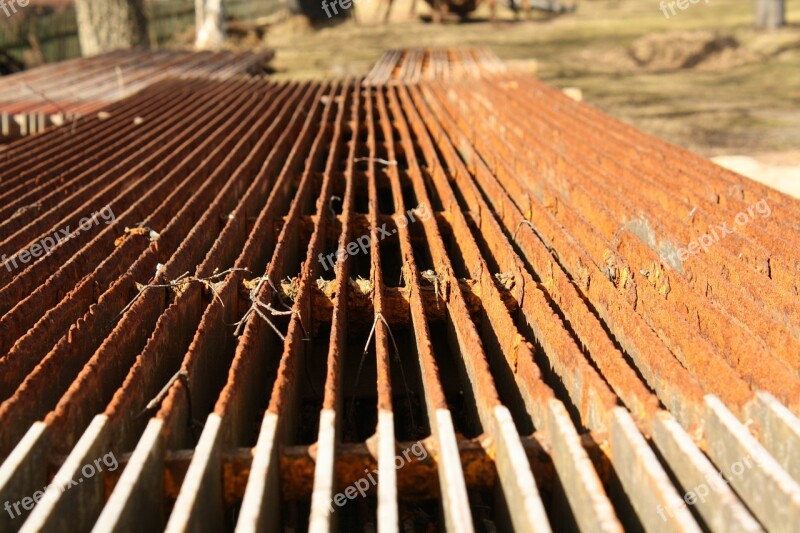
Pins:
x: 61, y: 93
x: 414, y: 65
x: 404, y: 303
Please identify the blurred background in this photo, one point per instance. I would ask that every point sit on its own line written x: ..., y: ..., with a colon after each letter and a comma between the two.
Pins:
x: 719, y: 77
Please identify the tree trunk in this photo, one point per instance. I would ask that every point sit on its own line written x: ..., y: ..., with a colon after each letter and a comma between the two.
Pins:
x: 770, y: 14
x: 210, y: 24
x: 106, y: 25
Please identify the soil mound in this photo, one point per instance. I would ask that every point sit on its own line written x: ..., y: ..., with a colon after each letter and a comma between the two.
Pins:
x: 684, y: 50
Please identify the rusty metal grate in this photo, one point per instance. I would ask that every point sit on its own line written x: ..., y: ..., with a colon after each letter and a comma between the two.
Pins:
x: 527, y: 322
x: 417, y: 64
x: 36, y: 99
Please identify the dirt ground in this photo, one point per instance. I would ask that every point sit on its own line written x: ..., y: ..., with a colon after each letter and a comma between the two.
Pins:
x: 703, y: 79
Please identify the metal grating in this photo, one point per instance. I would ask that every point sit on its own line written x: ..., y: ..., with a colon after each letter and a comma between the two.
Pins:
x: 530, y: 329
x: 412, y: 65
x: 33, y: 100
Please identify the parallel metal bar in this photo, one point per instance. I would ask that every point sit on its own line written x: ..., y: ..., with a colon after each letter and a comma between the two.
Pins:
x: 594, y: 405
x: 260, y: 508
x: 519, y: 487
x: 619, y: 375
x: 388, y: 513
x: 767, y: 489
x: 455, y: 502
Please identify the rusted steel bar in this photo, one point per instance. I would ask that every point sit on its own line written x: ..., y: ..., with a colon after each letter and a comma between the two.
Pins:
x: 55, y: 93
x: 749, y: 245
x: 519, y: 487
x: 277, y: 125
x: 619, y: 229
x: 137, y: 499
x: 451, y: 476
x: 503, y: 280
x: 644, y: 479
x: 60, y: 508
x: 621, y: 377
x: 779, y: 431
x: 417, y: 482
x: 44, y: 165
x: 594, y: 403
x: 388, y: 513
x: 140, y: 202
x: 413, y: 65
x: 743, y: 353
x: 223, y: 310
x: 533, y: 299
x: 699, y: 174
x: 30, y: 348
x: 148, y: 297
x: 190, y: 506
x: 682, y: 400
x: 261, y: 508
x: 331, y: 412
x: 770, y: 492
x: 739, y: 405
